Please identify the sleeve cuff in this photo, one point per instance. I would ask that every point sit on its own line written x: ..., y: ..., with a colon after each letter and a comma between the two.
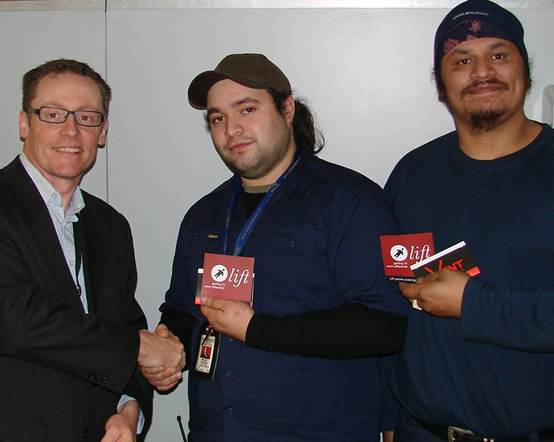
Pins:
x: 140, y: 422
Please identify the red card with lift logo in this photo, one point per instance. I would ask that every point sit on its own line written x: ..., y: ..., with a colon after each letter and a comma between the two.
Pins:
x: 401, y: 251
x: 226, y: 277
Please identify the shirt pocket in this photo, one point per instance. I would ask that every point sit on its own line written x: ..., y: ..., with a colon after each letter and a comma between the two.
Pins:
x: 293, y: 268
x: 192, y: 252
x: 200, y: 242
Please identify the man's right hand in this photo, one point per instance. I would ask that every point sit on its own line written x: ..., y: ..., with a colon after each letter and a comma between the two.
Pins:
x: 161, y: 357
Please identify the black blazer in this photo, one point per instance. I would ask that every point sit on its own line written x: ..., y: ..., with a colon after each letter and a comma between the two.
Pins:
x: 62, y: 371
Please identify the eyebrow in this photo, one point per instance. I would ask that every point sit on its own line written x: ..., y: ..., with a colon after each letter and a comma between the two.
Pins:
x: 237, y: 103
x: 84, y: 108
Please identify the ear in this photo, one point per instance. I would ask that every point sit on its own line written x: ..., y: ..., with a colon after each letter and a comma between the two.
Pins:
x: 23, y: 125
x: 289, y: 109
x: 103, y: 133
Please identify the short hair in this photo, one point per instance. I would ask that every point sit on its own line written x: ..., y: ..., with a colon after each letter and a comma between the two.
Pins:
x: 32, y: 78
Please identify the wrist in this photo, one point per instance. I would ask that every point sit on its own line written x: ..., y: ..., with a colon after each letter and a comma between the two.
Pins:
x: 130, y: 411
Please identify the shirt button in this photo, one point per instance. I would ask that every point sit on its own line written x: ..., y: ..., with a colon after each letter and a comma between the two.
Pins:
x: 228, y: 373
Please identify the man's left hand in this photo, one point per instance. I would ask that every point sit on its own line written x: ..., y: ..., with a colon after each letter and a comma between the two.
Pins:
x: 122, y: 426
x: 439, y: 294
x: 228, y: 317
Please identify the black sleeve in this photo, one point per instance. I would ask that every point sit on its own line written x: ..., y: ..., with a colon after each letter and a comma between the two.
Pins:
x: 348, y: 331
x: 181, y: 325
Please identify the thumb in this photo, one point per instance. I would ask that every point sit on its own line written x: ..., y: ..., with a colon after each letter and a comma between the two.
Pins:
x: 162, y: 330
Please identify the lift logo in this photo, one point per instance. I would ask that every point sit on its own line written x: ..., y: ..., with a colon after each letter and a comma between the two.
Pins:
x: 401, y: 251
x: 226, y: 277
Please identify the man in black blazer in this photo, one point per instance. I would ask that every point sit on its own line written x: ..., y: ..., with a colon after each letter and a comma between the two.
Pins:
x: 71, y: 331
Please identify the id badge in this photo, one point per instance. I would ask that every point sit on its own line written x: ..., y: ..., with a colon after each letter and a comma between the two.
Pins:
x: 208, y: 351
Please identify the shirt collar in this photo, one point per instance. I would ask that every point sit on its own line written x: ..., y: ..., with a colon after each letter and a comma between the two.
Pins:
x: 50, y: 195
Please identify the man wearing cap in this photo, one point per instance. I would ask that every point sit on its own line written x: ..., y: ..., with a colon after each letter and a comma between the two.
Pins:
x: 300, y: 364
x: 480, y: 355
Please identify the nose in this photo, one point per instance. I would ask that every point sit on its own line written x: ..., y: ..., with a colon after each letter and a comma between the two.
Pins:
x: 482, y: 67
x: 69, y: 126
x: 233, y: 127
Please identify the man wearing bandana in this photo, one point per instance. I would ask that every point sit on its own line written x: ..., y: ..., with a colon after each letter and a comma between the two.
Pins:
x: 478, y: 363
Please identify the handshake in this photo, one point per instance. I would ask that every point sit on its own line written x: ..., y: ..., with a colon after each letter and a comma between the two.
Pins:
x: 161, y: 357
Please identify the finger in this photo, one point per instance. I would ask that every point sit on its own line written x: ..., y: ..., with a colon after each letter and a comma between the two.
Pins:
x: 208, y: 312
x: 150, y: 365
x: 175, y: 361
x: 156, y: 378
x: 214, y: 303
x: 153, y: 370
x: 410, y: 291
x: 111, y: 435
x: 167, y: 383
x: 162, y: 330
x: 165, y: 374
x: 165, y: 378
x: 429, y: 278
x: 183, y: 362
x: 174, y: 338
x: 164, y: 386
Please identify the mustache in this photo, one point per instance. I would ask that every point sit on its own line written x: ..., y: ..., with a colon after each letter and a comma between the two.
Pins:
x: 236, y: 141
x: 475, y: 84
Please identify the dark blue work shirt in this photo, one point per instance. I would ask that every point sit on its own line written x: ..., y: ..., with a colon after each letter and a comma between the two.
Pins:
x: 316, y: 246
x: 491, y: 371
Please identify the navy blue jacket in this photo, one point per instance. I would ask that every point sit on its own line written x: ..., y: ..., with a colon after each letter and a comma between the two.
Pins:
x: 316, y: 247
x: 492, y: 371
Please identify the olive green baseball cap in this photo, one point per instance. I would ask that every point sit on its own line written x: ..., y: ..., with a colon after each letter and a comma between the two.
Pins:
x: 250, y: 70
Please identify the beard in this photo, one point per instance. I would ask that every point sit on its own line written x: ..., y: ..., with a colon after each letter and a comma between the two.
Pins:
x: 483, y: 115
x: 488, y: 117
x: 266, y: 158
x: 487, y: 120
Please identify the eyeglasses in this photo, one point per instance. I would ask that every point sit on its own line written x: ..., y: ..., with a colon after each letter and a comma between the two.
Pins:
x: 57, y: 115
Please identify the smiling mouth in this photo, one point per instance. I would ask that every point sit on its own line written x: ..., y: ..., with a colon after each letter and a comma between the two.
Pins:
x: 67, y: 149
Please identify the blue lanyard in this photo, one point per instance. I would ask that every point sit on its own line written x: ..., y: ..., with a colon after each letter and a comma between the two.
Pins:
x: 248, y: 227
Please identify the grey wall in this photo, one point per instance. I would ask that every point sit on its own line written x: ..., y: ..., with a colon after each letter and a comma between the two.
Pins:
x: 365, y: 71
